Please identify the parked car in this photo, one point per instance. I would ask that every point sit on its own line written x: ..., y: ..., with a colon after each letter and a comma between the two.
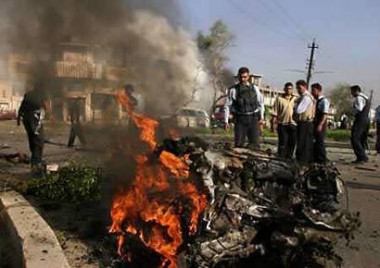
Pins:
x: 189, y: 117
x: 8, y: 115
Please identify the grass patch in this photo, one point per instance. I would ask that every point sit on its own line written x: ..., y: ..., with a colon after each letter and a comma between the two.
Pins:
x: 338, y: 134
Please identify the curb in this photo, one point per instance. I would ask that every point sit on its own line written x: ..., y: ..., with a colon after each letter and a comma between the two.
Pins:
x: 34, y: 242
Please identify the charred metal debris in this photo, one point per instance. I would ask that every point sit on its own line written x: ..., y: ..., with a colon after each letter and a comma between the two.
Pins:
x: 263, y: 211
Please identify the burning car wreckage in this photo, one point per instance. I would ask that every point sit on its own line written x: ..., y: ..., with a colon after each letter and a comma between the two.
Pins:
x: 198, y: 205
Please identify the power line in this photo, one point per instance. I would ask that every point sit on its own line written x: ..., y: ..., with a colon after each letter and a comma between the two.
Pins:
x: 263, y: 24
x: 286, y: 20
x: 290, y: 18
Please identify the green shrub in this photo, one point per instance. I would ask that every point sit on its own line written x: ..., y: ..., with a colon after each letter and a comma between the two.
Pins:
x: 338, y: 134
x: 74, y: 183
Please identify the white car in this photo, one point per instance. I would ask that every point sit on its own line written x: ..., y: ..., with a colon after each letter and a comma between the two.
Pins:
x: 189, y: 117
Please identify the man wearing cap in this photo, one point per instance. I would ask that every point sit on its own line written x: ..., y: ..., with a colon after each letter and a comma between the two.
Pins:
x: 247, y: 102
x: 360, y: 128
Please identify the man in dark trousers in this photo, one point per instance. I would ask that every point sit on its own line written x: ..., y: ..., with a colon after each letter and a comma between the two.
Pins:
x: 31, y: 112
x: 247, y: 103
x: 304, y: 111
x: 76, y: 127
x: 321, y: 111
x: 360, y: 128
x: 283, y: 108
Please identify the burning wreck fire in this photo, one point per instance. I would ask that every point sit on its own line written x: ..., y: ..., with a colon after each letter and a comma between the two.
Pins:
x: 202, y: 205
x: 159, y: 195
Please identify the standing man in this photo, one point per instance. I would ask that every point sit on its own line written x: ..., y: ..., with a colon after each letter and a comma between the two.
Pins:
x: 304, y: 111
x: 377, y: 122
x: 321, y: 111
x: 286, y: 126
x: 129, y: 91
x: 76, y: 127
x: 360, y: 128
x: 247, y: 103
x: 31, y: 112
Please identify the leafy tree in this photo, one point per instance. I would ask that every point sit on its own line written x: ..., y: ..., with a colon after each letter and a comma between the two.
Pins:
x: 213, y: 47
x: 341, y: 99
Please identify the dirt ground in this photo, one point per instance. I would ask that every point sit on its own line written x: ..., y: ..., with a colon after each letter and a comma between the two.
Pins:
x: 81, y: 229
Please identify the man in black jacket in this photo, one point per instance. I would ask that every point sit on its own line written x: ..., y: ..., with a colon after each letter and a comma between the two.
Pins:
x: 247, y: 103
x: 321, y: 111
x: 31, y: 112
x: 360, y: 128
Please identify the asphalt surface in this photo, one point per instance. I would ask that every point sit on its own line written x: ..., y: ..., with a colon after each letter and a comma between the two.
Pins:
x: 363, y: 183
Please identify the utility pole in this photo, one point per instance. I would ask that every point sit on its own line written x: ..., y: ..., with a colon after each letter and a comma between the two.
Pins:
x: 310, y: 66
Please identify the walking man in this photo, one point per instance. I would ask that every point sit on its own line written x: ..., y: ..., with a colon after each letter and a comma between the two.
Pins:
x: 377, y: 121
x: 286, y: 126
x: 304, y: 116
x: 31, y: 113
x: 247, y: 103
x: 360, y: 128
x: 321, y: 111
x: 76, y: 127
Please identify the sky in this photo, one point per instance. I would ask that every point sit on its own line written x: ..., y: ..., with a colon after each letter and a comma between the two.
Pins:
x: 272, y: 37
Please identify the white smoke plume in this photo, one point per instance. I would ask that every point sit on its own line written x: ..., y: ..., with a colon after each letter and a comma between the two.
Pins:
x: 161, y: 58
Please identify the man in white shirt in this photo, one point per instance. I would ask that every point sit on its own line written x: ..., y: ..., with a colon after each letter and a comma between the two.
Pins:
x: 247, y: 104
x: 360, y: 128
x: 304, y: 111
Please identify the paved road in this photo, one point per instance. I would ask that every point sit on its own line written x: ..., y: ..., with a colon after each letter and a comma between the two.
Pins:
x: 363, y: 182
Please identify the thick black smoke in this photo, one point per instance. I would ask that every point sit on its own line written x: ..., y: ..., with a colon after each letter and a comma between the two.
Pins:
x: 161, y: 59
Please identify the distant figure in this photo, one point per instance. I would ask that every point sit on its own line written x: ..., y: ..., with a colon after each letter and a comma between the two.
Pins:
x: 247, y: 102
x: 304, y: 111
x: 377, y: 121
x: 321, y: 111
x: 31, y: 113
x: 76, y: 127
x: 286, y: 126
x: 135, y: 98
x: 343, y: 121
x: 129, y: 90
x: 360, y: 128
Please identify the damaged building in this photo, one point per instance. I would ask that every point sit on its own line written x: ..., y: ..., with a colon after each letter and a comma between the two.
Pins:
x: 75, y: 70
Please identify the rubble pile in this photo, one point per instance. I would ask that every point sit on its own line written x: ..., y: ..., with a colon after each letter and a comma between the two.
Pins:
x: 262, y: 209
x: 193, y: 204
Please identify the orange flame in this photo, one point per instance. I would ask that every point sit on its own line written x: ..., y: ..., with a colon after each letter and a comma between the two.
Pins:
x: 159, y: 194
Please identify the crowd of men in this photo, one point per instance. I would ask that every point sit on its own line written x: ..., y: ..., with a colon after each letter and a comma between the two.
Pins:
x: 301, y: 119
